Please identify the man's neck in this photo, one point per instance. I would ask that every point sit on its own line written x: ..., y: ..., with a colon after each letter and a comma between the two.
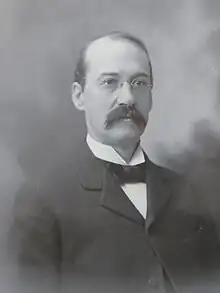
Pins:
x: 127, y: 152
x: 116, y: 155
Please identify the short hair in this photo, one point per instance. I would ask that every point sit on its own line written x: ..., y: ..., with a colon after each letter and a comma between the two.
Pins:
x: 80, y: 70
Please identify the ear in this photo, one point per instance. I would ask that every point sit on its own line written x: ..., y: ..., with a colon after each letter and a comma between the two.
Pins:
x: 77, y: 96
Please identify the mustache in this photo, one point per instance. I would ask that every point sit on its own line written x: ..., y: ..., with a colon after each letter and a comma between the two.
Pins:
x: 125, y: 111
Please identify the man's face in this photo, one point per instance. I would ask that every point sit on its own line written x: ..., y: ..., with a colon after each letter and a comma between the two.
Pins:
x: 117, y: 94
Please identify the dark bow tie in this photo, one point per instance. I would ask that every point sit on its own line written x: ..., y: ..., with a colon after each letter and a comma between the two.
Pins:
x: 129, y: 174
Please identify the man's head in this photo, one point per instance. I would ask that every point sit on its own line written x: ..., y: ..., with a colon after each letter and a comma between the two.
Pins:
x: 113, y: 82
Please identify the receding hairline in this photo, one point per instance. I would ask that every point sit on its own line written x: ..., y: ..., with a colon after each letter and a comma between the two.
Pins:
x: 118, y: 37
x: 81, y: 67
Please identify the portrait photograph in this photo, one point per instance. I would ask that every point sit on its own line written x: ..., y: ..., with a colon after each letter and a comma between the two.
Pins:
x: 110, y: 146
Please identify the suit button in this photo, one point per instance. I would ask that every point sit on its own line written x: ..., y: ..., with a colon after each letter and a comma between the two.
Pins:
x: 153, y: 282
x: 200, y: 228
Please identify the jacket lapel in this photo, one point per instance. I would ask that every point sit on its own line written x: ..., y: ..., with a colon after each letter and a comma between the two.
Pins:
x: 114, y: 199
x: 158, y: 191
x: 94, y: 176
x: 90, y: 170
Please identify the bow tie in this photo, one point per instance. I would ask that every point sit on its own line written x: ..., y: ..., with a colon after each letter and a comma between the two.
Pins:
x: 129, y: 174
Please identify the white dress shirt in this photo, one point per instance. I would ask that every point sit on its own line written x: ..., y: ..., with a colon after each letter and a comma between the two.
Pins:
x: 136, y: 192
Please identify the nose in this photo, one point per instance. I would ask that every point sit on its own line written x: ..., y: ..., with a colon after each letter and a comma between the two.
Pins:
x: 125, y: 96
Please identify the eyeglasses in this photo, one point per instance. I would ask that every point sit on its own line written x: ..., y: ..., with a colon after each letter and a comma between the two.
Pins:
x: 111, y: 84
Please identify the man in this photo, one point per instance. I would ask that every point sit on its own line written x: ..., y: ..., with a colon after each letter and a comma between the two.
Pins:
x: 111, y: 220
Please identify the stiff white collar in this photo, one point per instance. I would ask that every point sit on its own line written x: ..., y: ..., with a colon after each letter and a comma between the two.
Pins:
x: 107, y: 153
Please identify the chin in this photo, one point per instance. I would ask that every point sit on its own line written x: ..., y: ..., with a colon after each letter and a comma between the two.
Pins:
x: 123, y: 135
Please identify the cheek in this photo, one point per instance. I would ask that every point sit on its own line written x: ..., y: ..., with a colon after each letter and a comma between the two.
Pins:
x: 144, y: 104
x: 98, y: 102
x: 97, y: 106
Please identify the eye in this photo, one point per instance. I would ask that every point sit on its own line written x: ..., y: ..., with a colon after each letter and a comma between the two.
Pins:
x: 109, y: 84
x: 110, y: 81
x: 139, y: 83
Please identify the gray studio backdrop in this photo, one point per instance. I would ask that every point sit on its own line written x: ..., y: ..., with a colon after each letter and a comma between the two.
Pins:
x: 39, y: 41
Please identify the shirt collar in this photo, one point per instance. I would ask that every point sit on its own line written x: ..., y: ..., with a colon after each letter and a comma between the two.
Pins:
x: 107, y: 153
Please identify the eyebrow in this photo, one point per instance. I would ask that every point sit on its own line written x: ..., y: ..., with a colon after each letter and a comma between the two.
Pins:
x: 108, y: 74
x: 144, y: 74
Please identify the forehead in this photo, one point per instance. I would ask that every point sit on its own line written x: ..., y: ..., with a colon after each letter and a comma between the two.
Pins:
x: 119, y: 56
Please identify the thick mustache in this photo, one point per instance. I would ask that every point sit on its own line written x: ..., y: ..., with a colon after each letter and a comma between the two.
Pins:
x: 125, y: 112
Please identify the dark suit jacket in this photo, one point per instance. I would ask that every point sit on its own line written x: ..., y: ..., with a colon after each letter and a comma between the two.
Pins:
x: 80, y: 232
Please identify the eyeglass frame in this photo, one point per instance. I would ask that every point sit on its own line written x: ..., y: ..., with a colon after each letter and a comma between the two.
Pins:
x: 112, y: 76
